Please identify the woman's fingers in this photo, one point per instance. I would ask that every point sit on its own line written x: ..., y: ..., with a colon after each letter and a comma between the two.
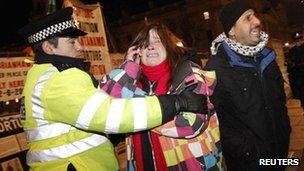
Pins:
x: 132, y: 53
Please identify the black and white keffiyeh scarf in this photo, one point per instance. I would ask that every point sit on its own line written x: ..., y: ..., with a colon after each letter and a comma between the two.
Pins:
x: 238, y: 47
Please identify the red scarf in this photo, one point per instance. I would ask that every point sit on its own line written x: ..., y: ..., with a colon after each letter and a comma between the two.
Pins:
x: 161, y: 74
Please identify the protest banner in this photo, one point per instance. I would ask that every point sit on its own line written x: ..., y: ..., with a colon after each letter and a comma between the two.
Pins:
x: 89, y: 18
x: 117, y: 59
x: 13, y: 143
x: 13, y: 71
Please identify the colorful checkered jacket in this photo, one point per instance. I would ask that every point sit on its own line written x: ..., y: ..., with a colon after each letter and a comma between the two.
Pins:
x: 189, y: 142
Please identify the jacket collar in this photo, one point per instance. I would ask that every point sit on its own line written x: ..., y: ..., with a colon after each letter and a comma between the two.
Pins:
x: 235, y: 59
x: 185, y: 69
x: 62, y: 62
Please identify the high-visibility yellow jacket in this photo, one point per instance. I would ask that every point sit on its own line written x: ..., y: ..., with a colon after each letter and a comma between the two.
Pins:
x: 66, y: 114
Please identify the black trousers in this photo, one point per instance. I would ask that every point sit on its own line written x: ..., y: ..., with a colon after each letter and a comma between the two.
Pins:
x: 71, y: 167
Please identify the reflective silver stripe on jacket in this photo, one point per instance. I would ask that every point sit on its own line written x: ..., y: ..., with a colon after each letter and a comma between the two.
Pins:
x: 89, y: 109
x: 140, y: 114
x: 48, y: 131
x: 66, y: 150
x: 114, y: 115
x: 37, y: 107
x: 44, y: 130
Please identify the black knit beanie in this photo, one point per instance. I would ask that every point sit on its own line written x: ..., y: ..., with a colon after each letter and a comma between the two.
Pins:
x: 231, y: 12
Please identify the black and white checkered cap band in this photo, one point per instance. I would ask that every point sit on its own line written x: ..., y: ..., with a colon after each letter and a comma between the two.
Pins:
x: 51, y: 30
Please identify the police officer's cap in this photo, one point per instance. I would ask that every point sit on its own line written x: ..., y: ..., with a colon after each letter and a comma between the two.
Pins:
x: 57, y: 24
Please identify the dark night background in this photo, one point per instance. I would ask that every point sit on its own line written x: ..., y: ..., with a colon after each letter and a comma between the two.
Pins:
x: 16, y: 13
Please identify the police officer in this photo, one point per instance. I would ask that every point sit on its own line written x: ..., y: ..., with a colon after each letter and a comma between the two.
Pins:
x: 66, y: 115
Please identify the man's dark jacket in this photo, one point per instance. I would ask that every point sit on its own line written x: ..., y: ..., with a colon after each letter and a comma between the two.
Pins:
x: 250, y: 101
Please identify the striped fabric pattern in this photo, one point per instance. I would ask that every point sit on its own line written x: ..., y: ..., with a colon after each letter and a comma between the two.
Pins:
x: 89, y: 109
x: 93, y: 109
x: 65, y: 151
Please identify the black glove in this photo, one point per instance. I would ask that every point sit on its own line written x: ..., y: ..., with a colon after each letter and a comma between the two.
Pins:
x: 187, y: 101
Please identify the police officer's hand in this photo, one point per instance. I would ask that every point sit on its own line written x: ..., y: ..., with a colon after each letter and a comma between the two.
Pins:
x: 187, y: 101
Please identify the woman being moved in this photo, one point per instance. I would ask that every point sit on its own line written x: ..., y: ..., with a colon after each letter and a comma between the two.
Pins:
x: 156, y: 65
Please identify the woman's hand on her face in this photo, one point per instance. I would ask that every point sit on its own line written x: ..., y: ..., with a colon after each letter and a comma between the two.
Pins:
x: 133, y: 54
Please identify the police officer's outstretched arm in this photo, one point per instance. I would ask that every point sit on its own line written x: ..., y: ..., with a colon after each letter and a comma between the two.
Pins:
x: 75, y: 101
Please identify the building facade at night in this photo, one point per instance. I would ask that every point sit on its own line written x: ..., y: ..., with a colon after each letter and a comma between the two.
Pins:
x: 194, y: 21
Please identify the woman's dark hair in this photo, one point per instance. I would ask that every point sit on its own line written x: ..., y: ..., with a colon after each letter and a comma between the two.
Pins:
x: 175, y: 54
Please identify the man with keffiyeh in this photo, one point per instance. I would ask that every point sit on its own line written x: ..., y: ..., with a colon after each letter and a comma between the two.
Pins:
x: 249, y: 97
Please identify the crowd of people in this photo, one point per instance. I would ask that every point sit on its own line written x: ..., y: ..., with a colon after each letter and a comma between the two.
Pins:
x: 176, y: 114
